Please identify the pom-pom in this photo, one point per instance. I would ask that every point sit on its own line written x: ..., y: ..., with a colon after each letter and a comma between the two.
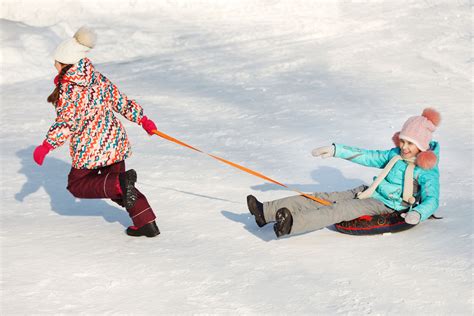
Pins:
x: 85, y: 36
x: 426, y: 159
x: 432, y: 115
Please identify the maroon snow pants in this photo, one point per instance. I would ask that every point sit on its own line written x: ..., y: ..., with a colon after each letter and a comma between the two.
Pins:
x: 103, y: 183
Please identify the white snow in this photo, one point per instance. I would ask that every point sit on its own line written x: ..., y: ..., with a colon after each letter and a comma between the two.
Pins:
x: 260, y: 83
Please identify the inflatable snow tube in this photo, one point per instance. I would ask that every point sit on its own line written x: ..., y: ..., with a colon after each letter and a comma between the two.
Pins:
x: 373, y: 225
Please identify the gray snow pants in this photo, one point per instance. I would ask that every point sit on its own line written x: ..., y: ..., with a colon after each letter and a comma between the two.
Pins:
x: 309, y: 215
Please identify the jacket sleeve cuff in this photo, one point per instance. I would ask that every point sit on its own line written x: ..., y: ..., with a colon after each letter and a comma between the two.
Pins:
x: 48, y: 144
x: 423, y: 215
x: 337, y: 150
x: 142, y: 120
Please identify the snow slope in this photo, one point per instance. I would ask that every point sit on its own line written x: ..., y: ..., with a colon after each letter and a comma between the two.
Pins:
x: 261, y: 83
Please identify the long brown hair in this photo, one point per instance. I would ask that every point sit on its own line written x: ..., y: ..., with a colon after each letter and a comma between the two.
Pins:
x: 54, y: 96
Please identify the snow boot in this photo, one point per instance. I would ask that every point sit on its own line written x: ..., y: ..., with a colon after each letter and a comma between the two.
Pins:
x: 284, y: 221
x: 148, y: 230
x: 256, y: 209
x: 127, y: 184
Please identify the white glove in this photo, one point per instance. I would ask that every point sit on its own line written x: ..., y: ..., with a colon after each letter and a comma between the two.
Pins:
x: 324, y: 152
x: 412, y: 217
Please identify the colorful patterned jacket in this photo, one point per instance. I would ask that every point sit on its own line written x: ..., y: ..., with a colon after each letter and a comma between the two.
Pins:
x: 85, y: 116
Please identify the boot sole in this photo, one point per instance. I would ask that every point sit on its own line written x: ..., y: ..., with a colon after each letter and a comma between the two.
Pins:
x: 147, y: 236
x: 136, y: 233
x: 253, y: 209
x: 284, y: 221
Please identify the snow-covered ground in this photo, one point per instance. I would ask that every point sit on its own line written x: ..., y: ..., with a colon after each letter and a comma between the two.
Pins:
x: 261, y: 83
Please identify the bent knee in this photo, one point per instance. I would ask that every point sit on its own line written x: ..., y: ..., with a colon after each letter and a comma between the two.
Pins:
x: 74, y: 190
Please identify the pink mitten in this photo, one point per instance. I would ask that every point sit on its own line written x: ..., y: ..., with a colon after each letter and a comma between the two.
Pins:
x: 148, y: 125
x: 41, y: 151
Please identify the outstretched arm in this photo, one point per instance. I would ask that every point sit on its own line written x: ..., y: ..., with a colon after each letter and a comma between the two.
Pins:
x: 130, y: 109
x: 369, y: 158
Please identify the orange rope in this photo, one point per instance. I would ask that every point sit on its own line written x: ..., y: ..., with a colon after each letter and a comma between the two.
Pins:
x: 233, y: 164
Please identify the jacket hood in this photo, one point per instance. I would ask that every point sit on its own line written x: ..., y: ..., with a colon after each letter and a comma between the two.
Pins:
x: 81, y: 73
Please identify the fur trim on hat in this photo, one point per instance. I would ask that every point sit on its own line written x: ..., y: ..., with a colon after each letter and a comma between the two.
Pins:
x: 432, y: 115
x: 426, y: 159
x: 396, y: 139
x: 85, y: 36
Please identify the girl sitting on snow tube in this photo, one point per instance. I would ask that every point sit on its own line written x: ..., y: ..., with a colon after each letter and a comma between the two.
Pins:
x: 408, y: 184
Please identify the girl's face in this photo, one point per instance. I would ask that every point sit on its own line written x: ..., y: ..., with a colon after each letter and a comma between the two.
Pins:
x: 58, y: 65
x: 408, y: 149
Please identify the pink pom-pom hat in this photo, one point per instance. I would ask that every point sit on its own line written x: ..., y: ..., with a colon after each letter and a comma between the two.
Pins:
x: 419, y: 129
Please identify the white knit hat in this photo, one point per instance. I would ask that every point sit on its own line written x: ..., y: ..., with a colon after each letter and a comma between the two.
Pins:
x: 74, y: 49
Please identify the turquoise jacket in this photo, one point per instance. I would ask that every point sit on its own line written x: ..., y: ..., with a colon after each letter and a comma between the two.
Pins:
x: 390, y: 189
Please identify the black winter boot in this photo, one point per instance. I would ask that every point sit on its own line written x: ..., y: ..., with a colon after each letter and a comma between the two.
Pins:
x: 127, y: 184
x: 284, y: 221
x: 148, y: 230
x: 256, y: 209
